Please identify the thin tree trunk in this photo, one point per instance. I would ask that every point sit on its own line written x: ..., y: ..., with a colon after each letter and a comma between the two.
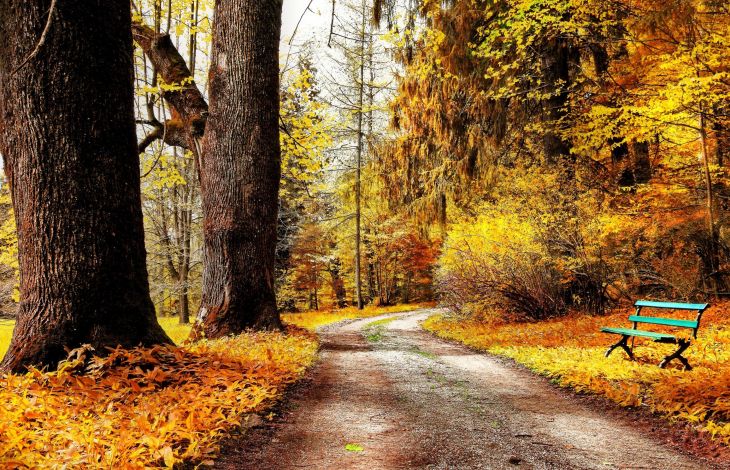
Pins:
x: 372, y: 288
x: 709, y: 200
x: 184, y: 279
x: 240, y: 169
x: 722, y: 142
x: 68, y: 138
x: 338, y: 286
x: 358, y: 165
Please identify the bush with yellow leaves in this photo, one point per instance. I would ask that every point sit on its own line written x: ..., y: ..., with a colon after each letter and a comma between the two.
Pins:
x: 571, y: 350
x: 145, y: 407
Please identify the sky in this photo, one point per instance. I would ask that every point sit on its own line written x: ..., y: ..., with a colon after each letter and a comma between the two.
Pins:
x: 314, y: 24
x: 314, y: 28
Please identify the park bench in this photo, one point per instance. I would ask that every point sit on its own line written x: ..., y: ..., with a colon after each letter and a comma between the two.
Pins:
x: 637, y: 318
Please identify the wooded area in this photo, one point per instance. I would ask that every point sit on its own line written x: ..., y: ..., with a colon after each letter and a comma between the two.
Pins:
x: 529, y: 165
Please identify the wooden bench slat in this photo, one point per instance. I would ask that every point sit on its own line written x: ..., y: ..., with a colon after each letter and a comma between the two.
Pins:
x: 664, y: 321
x: 672, y: 305
x: 632, y: 332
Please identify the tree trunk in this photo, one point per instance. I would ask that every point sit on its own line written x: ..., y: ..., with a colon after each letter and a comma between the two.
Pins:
x: 714, y: 260
x: 372, y: 288
x: 337, y: 283
x: 556, y: 68
x: 641, y: 162
x: 68, y: 138
x: 406, y: 297
x: 184, y: 308
x: 240, y: 169
x: 722, y: 142
x: 358, y: 167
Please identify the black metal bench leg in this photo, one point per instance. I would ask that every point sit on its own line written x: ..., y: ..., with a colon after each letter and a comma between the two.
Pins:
x: 683, y: 345
x: 623, y: 344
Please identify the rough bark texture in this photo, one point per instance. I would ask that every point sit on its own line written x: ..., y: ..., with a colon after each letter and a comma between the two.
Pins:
x: 240, y: 170
x: 68, y: 138
x: 189, y: 108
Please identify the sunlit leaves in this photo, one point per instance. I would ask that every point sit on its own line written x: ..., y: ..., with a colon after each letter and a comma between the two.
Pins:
x: 145, y: 408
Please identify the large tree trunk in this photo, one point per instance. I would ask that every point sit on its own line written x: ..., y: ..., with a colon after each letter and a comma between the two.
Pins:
x: 240, y: 169
x: 68, y: 138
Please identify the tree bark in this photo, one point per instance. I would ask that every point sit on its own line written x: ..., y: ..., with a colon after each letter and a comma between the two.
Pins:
x: 358, y: 167
x: 240, y: 170
x: 188, y: 106
x: 67, y: 135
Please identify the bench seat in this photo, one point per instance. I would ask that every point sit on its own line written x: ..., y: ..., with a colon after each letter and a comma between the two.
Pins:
x: 658, y: 337
x: 632, y: 332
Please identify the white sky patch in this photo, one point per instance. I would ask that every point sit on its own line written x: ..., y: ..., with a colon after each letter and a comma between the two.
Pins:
x: 314, y: 28
x: 314, y: 21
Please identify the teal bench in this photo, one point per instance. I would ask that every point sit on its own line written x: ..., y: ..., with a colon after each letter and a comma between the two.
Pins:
x: 637, y: 318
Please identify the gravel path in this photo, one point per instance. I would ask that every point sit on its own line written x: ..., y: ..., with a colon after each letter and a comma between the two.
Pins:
x: 410, y: 400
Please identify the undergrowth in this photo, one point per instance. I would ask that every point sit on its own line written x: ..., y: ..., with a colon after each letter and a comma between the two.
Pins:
x: 570, y: 351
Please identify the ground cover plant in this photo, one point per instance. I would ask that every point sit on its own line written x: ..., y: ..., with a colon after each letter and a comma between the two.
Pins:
x: 146, y: 407
x: 570, y: 350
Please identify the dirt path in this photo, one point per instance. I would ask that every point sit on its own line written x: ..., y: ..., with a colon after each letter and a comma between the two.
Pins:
x: 413, y: 401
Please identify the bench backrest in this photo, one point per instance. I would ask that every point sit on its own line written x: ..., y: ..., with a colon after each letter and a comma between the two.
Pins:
x: 673, y: 322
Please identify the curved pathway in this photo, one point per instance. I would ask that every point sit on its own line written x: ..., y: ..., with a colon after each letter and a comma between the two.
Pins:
x: 398, y: 397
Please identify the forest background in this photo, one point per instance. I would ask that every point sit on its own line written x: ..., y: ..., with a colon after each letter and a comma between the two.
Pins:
x: 519, y: 159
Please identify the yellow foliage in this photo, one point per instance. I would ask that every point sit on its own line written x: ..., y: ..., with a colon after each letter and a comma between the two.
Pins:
x: 9, y: 240
x: 313, y: 320
x: 146, y: 407
x: 570, y: 351
x: 178, y: 332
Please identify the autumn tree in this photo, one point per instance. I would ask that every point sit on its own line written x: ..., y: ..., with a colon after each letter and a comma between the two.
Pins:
x: 564, y: 121
x: 306, y: 128
x: 236, y: 146
x: 74, y: 180
x: 240, y: 170
x: 170, y: 189
x: 358, y: 89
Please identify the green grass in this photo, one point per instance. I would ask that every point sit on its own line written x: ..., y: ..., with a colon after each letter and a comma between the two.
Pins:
x: 375, y: 329
x: 381, y: 322
x: 176, y: 331
x: 422, y: 353
x: 374, y: 335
